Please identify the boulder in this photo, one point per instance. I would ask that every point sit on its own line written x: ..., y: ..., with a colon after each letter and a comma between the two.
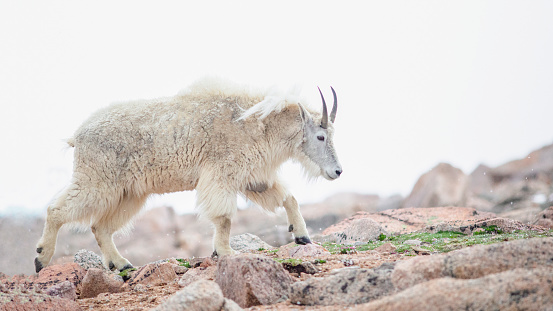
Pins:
x: 301, y: 251
x: 35, y: 302
x: 504, y: 224
x: 406, y: 220
x: 196, y: 274
x: 202, y: 295
x: 97, y: 281
x: 87, y: 260
x: 443, y: 185
x: 152, y: 274
x: 252, y: 280
x: 63, y: 290
x: 248, y: 242
x: 475, y: 262
x: 363, y: 230
x: 345, y: 287
x: 52, y: 275
x: 518, y: 289
x: 545, y: 218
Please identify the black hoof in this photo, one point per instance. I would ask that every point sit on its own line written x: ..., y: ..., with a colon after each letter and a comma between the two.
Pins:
x: 111, y: 265
x: 39, y: 250
x: 38, y: 265
x: 291, y: 228
x: 302, y: 240
x: 214, y: 254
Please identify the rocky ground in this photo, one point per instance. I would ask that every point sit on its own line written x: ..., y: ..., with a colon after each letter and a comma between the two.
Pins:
x: 417, y: 258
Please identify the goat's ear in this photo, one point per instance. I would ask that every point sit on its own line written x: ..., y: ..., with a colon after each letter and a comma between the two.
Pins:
x: 303, y: 113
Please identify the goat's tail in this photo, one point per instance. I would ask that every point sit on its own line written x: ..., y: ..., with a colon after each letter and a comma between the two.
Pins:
x: 70, y: 142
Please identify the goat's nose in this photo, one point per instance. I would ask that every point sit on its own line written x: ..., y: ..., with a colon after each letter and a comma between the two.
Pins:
x: 338, y: 172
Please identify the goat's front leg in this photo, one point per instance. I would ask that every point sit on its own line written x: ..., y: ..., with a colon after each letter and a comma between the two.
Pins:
x: 221, y: 238
x: 295, y: 221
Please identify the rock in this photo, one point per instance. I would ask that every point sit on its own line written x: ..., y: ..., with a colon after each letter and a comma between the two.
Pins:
x: 248, y: 242
x: 152, y: 274
x: 307, y: 250
x: 180, y: 270
x: 444, y: 185
x: 201, y: 262
x: 302, y: 267
x: 475, y: 262
x: 252, y: 280
x: 35, y: 302
x: 364, y: 229
x: 97, y: 281
x: 504, y: 224
x: 386, y: 248
x: 202, y: 295
x: 87, y: 259
x: 196, y: 274
x: 545, y: 218
x: 52, y: 275
x: 517, y: 289
x: 345, y: 287
x: 62, y: 290
x: 406, y: 220
x: 230, y: 305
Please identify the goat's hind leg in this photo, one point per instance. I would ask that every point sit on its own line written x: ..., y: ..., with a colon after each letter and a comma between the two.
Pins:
x: 57, y: 215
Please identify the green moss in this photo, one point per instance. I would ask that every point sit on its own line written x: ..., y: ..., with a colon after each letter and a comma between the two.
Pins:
x: 184, y: 263
x: 125, y: 273
x: 291, y: 261
x: 440, y: 242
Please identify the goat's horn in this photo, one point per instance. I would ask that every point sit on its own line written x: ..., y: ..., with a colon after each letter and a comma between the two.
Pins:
x: 324, y: 119
x: 334, y: 107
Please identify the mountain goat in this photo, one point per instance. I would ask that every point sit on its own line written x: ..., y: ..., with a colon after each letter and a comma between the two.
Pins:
x: 218, y: 138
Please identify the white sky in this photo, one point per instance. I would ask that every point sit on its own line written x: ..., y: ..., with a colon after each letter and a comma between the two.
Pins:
x: 418, y: 82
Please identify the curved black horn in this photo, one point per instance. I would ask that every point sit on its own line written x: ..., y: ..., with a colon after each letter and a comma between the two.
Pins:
x: 324, y: 118
x: 334, y: 107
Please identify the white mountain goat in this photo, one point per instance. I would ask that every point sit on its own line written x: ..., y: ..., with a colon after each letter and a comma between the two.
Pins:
x: 217, y: 138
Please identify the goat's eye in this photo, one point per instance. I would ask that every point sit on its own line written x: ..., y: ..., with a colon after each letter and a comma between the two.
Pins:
x: 321, y: 138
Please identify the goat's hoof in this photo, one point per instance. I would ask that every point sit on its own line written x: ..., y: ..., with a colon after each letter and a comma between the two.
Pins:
x: 126, y: 267
x: 111, y: 265
x: 38, y: 265
x: 214, y: 254
x: 39, y: 250
x: 302, y: 240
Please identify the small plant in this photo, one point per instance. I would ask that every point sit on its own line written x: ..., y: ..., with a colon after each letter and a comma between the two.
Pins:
x: 184, y: 263
x: 348, y: 249
x: 382, y: 237
x: 319, y: 261
x: 261, y: 249
x: 125, y: 273
x: 290, y: 261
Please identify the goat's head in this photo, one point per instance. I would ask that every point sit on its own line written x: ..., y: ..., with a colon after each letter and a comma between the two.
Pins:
x: 317, y: 142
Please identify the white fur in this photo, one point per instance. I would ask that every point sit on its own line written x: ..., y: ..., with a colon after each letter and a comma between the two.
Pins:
x: 205, y: 138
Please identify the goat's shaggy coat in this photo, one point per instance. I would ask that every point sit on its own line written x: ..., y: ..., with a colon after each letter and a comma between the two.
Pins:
x: 215, y: 137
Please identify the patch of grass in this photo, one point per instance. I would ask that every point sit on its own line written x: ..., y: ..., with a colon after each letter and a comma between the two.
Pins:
x: 125, y: 273
x: 261, y: 249
x: 440, y: 242
x: 319, y: 261
x: 184, y: 263
x: 382, y: 237
x: 291, y: 261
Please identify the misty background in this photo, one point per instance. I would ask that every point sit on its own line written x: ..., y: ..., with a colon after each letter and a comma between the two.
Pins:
x: 418, y: 82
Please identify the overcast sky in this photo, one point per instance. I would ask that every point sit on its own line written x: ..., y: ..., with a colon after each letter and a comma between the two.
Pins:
x: 418, y: 82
